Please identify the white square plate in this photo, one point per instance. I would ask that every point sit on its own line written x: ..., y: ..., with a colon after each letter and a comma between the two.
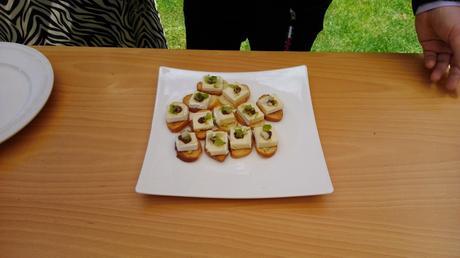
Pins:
x: 297, y: 169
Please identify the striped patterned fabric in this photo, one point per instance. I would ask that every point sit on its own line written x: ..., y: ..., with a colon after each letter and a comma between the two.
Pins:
x: 115, y: 23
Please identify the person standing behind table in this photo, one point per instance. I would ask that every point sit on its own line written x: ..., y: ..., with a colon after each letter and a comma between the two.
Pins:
x: 438, y: 29
x: 114, y: 23
x: 225, y: 24
x: 267, y: 25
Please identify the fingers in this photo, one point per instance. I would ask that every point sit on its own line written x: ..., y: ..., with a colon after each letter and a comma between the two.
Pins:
x: 430, y: 59
x: 431, y: 49
x: 453, y: 81
x: 442, y: 63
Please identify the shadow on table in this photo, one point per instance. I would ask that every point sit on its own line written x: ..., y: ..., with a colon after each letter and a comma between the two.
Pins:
x: 155, y: 203
x: 31, y: 136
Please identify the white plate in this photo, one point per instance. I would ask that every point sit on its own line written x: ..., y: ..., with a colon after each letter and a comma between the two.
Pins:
x: 297, y: 169
x: 26, y: 80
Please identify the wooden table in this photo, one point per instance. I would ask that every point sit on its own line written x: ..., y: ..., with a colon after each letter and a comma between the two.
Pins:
x: 391, y: 141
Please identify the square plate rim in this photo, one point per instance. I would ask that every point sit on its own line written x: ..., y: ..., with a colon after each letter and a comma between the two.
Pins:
x: 140, y: 190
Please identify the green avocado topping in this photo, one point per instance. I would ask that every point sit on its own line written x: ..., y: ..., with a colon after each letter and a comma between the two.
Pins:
x: 249, y: 109
x: 266, y: 132
x: 185, y: 137
x: 271, y: 101
x: 205, y: 119
x: 267, y: 128
x: 236, y: 88
x: 175, y: 109
x: 226, y: 110
x: 199, y: 96
x: 239, y: 133
x: 210, y: 79
x: 216, y: 140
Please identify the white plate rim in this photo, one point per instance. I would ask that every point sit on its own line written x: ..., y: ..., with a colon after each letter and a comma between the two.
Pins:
x: 141, y: 188
x: 35, y: 104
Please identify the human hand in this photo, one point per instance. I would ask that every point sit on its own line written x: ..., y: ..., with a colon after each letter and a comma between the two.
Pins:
x: 438, y: 31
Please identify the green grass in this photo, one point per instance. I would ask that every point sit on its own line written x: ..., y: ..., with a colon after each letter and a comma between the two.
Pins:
x: 350, y: 25
x: 172, y: 19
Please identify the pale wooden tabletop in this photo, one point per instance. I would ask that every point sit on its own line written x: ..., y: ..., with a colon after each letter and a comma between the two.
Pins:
x: 391, y: 141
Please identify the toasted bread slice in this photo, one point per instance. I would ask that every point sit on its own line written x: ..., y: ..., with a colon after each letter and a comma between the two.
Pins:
x: 229, y: 98
x: 275, y: 117
x: 199, y: 86
x: 176, y: 127
x: 261, y: 123
x: 239, y: 118
x: 266, y: 152
x: 236, y: 154
x: 219, y: 158
x: 226, y: 128
x: 241, y: 121
x: 186, y: 101
x: 200, y: 135
x: 213, y: 102
x: 189, y: 156
x: 224, y: 102
x: 272, y: 117
x: 241, y: 101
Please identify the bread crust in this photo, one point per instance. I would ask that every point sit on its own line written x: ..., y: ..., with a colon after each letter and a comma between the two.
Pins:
x: 176, y: 127
x: 226, y: 128
x: 275, y: 117
x: 224, y: 101
x: 213, y: 102
x: 236, y: 154
x: 220, y: 158
x: 199, y: 87
x: 241, y: 121
x: 189, y: 156
x: 200, y: 135
x: 267, y: 152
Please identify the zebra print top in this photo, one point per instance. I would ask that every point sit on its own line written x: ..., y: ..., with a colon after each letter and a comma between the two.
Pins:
x: 120, y: 23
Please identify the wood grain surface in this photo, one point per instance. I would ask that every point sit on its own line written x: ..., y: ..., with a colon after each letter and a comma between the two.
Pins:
x: 391, y: 141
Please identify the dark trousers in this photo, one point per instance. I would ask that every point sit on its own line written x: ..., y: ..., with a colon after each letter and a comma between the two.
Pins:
x: 212, y: 24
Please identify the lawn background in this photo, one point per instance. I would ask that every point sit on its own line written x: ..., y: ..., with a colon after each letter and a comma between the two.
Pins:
x: 350, y: 25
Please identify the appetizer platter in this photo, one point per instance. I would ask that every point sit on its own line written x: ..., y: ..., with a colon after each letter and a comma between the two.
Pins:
x: 219, y: 116
x: 234, y: 135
